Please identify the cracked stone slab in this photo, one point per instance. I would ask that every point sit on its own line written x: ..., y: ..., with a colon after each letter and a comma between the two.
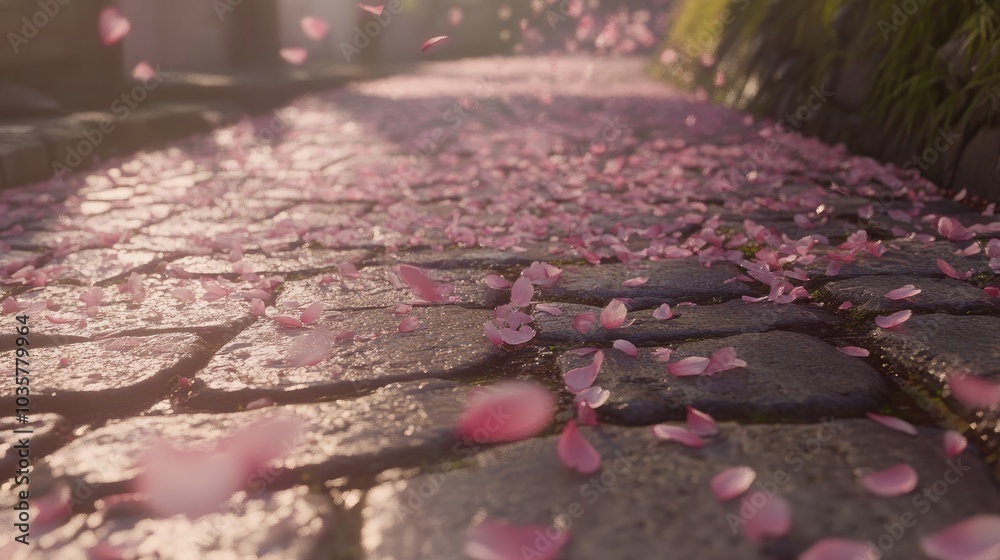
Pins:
x: 108, y: 374
x: 904, y: 257
x: 287, y: 524
x: 397, y: 425
x: 670, y: 281
x: 698, y: 321
x: 935, y: 344
x: 117, y: 314
x: 650, y: 496
x: 937, y: 294
x: 788, y: 376
x: 47, y: 431
x: 373, y: 289
x: 448, y: 342
x: 299, y: 261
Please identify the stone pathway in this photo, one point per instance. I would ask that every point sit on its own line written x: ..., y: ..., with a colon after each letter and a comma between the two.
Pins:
x: 351, y: 276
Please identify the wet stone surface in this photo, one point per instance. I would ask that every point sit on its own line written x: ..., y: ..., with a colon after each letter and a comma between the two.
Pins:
x: 448, y: 342
x: 100, y: 265
x: 699, y: 321
x: 670, y: 281
x: 904, y: 257
x: 933, y: 345
x: 288, y: 524
x: 46, y: 432
x: 108, y: 375
x: 632, y: 508
x: 398, y: 425
x: 300, y: 261
x: 936, y: 294
x: 788, y: 375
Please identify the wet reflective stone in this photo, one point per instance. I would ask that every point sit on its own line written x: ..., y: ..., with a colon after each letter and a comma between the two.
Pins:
x: 937, y: 294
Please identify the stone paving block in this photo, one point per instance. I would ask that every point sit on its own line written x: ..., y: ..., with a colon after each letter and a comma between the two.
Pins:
x: 283, y: 525
x: 373, y: 289
x: 299, y: 261
x: 94, y: 266
x: 651, y: 496
x: 904, y: 257
x: 867, y: 293
x: 24, y: 157
x: 448, y: 342
x: 108, y: 375
x: 398, y: 425
x: 788, y: 376
x: 47, y: 432
x: 933, y: 345
x: 669, y: 281
x: 117, y: 314
x: 482, y: 257
x: 699, y: 321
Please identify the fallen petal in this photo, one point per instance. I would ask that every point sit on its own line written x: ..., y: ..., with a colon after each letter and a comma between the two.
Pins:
x: 700, y: 423
x: 667, y: 432
x: 893, y: 423
x: 973, y: 538
x: 894, y: 481
x: 663, y: 313
x: 432, y: 41
x: 906, y: 291
x: 627, y: 347
x: 613, y: 315
x: 493, y: 540
x: 408, y: 324
x: 311, y: 313
x: 954, y: 443
x: 889, y: 321
x: 580, y: 378
x: 854, y: 351
x: 840, y: 549
x: 583, y: 322
x: 575, y: 452
x: 732, y: 483
x: 685, y: 367
x: 772, y: 520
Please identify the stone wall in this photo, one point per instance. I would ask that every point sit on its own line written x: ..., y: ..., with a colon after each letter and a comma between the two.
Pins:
x: 848, y: 76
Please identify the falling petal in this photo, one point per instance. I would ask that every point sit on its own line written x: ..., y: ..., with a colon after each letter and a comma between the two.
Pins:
x: 700, y: 423
x: 974, y: 391
x: 408, y: 324
x: 311, y: 313
x: 854, y: 351
x: 893, y: 423
x: 954, y: 443
x: 493, y: 540
x: 575, y: 452
x: 423, y: 287
x: 840, y: 549
x: 772, y: 520
x: 374, y: 10
x: 627, y: 347
x: 314, y: 28
x: 496, y: 282
x: 973, y: 538
x: 613, y: 316
x: 586, y: 415
x: 667, y: 432
x: 432, y: 41
x: 506, y: 411
x: 732, y: 483
x: 143, y: 72
x: 894, y: 481
x: 663, y: 313
x: 294, y: 55
x: 113, y: 26
x: 309, y: 349
x: 889, y: 321
x: 906, y: 291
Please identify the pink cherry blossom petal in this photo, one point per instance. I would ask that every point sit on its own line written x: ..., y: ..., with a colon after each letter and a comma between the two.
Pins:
x: 668, y: 432
x: 586, y: 415
x: 594, y: 396
x: 262, y: 402
x: 143, y: 72
x: 906, y: 291
x: 580, y: 378
x: 627, y: 347
x: 408, y: 324
x: 311, y: 313
x: 974, y: 391
x: 492, y: 333
x: 701, y: 423
x: 894, y: 481
x: 840, y: 549
x: 846, y: 305
x: 732, y: 483
x: 432, y: 41
x: 613, y: 315
x: 954, y: 443
x: 494, y: 540
x: 854, y: 351
x: 423, y: 287
x: 575, y: 452
x: 663, y: 312
x: 583, y: 322
x: 506, y: 411
x: 772, y: 520
x: 112, y: 26
x: 547, y: 308
x: 973, y: 538
x: 893, y: 423
x: 723, y: 359
x: 257, y: 307
x: 694, y: 365
x: 314, y: 27
x: 294, y: 55
x: 521, y: 292
x: 286, y: 321
x: 372, y: 9
x: 662, y: 355
x: 519, y: 336
x: 310, y: 349
x: 496, y: 282
x: 950, y: 271
x: 634, y: 282
x: 890, y: 321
